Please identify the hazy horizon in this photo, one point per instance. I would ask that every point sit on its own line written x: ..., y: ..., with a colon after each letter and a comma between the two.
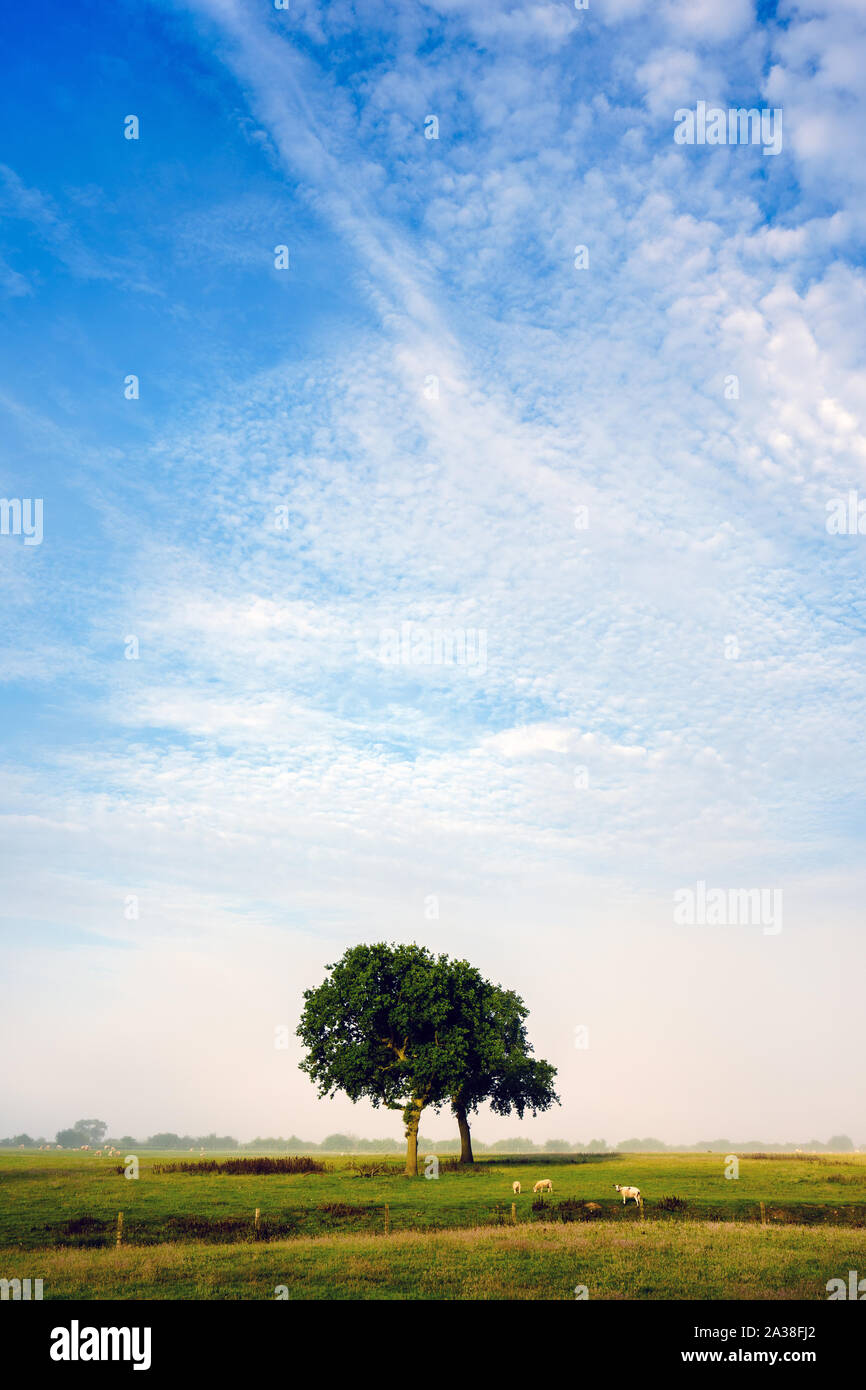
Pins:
x: 479, y: 1139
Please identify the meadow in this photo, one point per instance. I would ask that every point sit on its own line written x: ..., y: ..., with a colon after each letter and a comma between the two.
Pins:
x: 783, y: 1227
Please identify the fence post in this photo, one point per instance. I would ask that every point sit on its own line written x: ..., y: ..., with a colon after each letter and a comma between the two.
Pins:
x: 514, y: 1213
x: 387, y: 1218
x: 256, y: 1218
x: 763, y: 1215
x: 119, y: 1240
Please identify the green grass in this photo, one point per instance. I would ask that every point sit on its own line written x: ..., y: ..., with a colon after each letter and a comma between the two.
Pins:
x: 192, y: 1234
x: 646, y: 1261
x: 73, y: 1199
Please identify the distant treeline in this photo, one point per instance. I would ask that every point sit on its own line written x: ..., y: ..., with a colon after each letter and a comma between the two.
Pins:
x: 94, y: 1133
x: 837, y: 1143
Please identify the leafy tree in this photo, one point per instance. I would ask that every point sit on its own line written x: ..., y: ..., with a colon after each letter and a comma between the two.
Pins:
x: 390, y: 1024
x: 500, y: 1069
x: 340, y: 1143
x: 840, y: 1143
x: 642, y: 1146
x: 219, y: 1142
x: 83, y: 1132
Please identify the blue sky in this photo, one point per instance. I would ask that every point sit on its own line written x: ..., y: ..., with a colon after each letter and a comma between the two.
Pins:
x: 670, y: 693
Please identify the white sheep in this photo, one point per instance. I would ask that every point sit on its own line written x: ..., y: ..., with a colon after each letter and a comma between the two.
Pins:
x: 628, y: 1193
x: 515, y: 1188
x: 543, y: 1185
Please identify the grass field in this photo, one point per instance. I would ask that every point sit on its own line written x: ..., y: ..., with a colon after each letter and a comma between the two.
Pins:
x: 689, y: 1260
x: 322, y: 1235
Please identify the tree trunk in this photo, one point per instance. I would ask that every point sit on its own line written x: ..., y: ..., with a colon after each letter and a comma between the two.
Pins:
x: 465, y: 1136
x: 412, y: 1117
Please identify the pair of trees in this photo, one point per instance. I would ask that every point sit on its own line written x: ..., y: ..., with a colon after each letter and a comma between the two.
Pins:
x: 89, y: 1132
x: 408, y: 1030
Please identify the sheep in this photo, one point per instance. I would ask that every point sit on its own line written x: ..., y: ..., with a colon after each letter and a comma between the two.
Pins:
x: 628, y: 1193
x: 543, y: 1185
x: 516, y: 1189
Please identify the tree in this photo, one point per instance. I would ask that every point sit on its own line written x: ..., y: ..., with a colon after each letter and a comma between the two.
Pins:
x: 390, y: 1024
x: 340, y: 1143
x: 82, y: 1132
x: 840, y: 1143
x: 501, y: 1068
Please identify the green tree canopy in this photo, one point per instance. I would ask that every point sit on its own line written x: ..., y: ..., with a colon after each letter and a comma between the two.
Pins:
x: 387, y: 1024
x: 83, y: 1132
x: 408, y: 1030
x: 501, y: 1067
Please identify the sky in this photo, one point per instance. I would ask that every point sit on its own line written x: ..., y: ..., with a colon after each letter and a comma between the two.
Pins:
x: 408, y: 331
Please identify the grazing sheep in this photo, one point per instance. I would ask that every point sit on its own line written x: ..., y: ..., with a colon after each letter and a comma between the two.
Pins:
x: 628, y: 1193
x: 543, y: 1185
x: 515, y: 1188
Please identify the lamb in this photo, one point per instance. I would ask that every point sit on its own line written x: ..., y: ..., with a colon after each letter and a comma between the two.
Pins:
x: 543, y: 1185
x: 628, y: 1193
x: 515, y: 1188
